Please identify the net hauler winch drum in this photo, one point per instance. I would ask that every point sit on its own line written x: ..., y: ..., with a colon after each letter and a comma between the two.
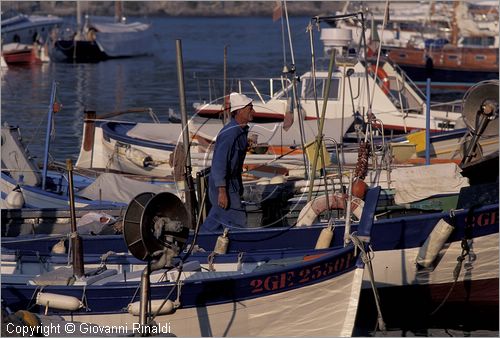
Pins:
x: 155, y: 222
x: 482, y: 99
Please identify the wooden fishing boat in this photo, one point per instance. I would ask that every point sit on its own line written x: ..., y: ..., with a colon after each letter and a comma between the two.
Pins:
x: 227, y: 302
x: 449, y: 63
x: 152, y: 148
x: 408, y: 252
x: 460, y: 39
x: 469, y: 55
x: 220, y: 302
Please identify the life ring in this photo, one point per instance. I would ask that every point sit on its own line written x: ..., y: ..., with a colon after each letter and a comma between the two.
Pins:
x: 336, y: 201
x: 382, y: 75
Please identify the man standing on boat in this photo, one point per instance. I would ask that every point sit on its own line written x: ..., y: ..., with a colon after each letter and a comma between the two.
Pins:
x: 225, y: 186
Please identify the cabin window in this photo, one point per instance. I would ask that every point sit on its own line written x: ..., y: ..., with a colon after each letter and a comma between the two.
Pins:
x: 480, y: 57
x: 402, y: 56
x: 320, y: 88
x: 442, y: 25
x: 452, y: 57
x: 334, y: 89
x: 410, y: 26
x: 478, y: 41
x: 309, y: 93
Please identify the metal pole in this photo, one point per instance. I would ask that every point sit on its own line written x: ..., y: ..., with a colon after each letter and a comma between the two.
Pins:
x: 347, y: 229
x: 292, y: 54
x: 226, y: 105
x: 47, y: 134
x: 144, y: 296
x: 319, y: 136
x: 428, y: 122
x: 365, y: 51
x: 295, y: 94
x: 313, y: 70
x: 182, y: 101
x: 76, y: 242
x: 300, y: 120
x: 190, y: 193
x: 78, y: 19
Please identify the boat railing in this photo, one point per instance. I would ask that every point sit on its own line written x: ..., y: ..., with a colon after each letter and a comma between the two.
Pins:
x: 407, y: 81
x: 338, y: 156
x: 257, y: 88
x: 404, y: 99
x: 454, y: 106
x: 401, y: 90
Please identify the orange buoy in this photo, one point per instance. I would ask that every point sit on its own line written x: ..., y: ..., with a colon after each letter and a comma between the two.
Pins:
x: 359, y: 188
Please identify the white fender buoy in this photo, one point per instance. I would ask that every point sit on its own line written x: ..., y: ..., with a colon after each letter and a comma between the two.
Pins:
x: 168, y: 308
x: 310, y: 212
x: 15, y: 198
x: 325, y: 238
x: 60, y: 302
x: 279, y: 179
x: 434, y: 243
x: 59, y: 247
x: 139, y: 157
x: 263, y: 181
x: 222, y: 243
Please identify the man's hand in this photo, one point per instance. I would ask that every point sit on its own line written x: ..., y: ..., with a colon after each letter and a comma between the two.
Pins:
x: 222, y: 200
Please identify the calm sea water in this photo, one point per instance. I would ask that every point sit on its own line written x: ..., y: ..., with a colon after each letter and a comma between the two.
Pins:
x: 254, y: 48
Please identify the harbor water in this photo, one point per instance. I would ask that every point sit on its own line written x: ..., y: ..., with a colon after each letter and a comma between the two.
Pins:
x: 254, y: 49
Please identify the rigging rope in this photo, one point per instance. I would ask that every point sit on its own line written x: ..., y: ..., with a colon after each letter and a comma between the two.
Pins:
x: 465, y: 252
x: 283, y: 39
x: 367, y: 259
x: 384, y: 23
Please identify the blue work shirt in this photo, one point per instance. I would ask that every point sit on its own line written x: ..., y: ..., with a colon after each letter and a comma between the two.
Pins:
x: 227, y: 165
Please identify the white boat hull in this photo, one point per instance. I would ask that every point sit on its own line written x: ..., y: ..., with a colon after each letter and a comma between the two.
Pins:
x: 395, y: 268
x: 324, y: 309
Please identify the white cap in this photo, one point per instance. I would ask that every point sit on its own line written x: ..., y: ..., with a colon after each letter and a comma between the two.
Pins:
x: 239, y: 101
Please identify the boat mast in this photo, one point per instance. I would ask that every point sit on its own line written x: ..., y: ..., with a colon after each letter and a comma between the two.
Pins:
x: 454, y: 24
x: 227, y: 115
x: 295, y: 99
x: 189, y: 184
x: 78, y: 20
x: 118, y: 11
x: 76, y: 241
x: 48, y: 134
